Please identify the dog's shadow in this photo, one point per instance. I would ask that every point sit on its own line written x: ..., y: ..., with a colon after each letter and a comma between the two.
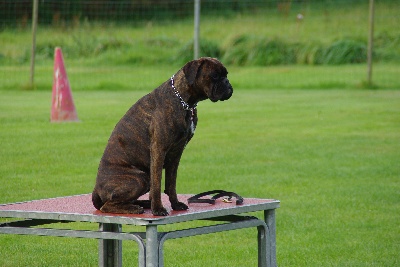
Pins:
x: 146, y: 204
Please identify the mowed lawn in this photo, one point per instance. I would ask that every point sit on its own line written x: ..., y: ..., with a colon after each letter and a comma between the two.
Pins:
x: 330, y: 156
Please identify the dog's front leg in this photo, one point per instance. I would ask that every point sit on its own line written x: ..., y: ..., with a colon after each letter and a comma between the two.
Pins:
x: 171, y: 172
x: 156, y: 165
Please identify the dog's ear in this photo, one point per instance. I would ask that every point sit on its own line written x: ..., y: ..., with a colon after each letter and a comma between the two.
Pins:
x: 192, y: 69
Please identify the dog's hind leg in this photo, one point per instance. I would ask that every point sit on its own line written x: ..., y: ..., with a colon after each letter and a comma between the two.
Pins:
x: 119, y: 193
x: 97, y: 202
x: 123, y: 199
x: 121, y: 207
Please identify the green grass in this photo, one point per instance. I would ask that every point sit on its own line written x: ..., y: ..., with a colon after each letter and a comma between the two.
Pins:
x: 128, y: 78
x: 330, y: 156
x: 161, y: 42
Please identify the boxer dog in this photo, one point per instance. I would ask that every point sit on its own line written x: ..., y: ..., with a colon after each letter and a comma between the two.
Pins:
x: 151, y: 137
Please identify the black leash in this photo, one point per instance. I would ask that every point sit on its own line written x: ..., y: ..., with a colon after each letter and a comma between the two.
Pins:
x: 219, y: 193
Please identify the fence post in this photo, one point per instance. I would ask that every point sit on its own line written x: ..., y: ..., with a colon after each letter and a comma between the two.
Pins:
x: 370, y: 41
x: 196, y: 36
x: 34, y: 28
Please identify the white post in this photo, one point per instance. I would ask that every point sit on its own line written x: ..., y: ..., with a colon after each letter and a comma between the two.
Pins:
x: 34, y: 28
x: 196, y: 36
x: 370, y: 41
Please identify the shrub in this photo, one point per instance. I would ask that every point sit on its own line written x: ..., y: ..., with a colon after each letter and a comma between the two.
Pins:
x: 260, y: 51
x: 271, y: 52
x: 345, y: 52
x: 310, y: 54
x: 263, y: 51
x: 236, y: 53
x: 387, y: 47
x: 207, y: 49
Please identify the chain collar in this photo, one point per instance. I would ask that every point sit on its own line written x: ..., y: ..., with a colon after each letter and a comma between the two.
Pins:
x: 185, y: 105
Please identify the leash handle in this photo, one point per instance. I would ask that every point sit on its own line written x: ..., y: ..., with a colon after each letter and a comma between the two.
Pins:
x: 219, y: 193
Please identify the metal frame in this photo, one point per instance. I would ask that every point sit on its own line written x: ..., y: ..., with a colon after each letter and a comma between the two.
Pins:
x: 151, y: 242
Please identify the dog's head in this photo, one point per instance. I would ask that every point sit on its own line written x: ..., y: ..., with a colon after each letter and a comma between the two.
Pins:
x: 210, y: 77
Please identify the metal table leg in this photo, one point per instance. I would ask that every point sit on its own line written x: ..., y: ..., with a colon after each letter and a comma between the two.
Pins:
x: 152, y: 243
x: 269, y: 218
x: 235, y: 223
x: 110, y: 250
x: 262, y: 246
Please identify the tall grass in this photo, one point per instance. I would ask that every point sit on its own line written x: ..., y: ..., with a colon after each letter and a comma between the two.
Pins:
x: 121, y: 57
x: 327, y: 34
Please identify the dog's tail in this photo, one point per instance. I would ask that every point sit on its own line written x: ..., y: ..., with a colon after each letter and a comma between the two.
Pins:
x: 97, y: 202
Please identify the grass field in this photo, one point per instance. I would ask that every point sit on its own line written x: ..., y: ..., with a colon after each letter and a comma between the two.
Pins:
x: 311, y: 136
x: 330, y: 156
x: 128, y: 78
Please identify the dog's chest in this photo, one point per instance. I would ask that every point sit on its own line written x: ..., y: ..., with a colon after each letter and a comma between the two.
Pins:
x: 192, y: 128
x: 192, y: 121
x: 190, y: 125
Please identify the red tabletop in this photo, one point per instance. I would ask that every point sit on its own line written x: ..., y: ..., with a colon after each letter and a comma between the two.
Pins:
x: 80, y: 208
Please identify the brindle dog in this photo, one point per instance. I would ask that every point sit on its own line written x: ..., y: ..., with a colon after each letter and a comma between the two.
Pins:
x: 152, y: 135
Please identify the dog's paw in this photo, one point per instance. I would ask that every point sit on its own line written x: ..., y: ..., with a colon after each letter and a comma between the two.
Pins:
x: 179, y: 206
x: 160, y: 212
x: 137, y: 210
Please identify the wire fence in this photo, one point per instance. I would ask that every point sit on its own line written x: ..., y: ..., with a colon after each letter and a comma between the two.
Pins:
x: 240, y: 32
x: 72, y: 12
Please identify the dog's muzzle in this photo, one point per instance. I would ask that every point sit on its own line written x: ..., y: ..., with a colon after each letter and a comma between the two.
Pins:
x: 222, y: 90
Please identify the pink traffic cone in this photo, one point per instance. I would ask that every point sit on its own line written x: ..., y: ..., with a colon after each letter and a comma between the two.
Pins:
x: 62, y: 105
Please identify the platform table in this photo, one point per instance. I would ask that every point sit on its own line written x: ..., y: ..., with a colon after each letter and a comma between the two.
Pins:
x: 79, y: 208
